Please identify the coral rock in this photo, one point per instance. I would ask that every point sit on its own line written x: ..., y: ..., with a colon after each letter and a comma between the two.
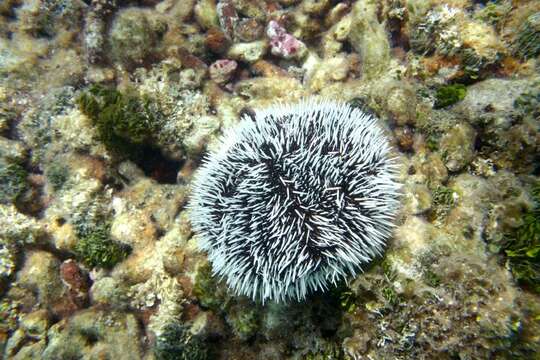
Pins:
x: 221, y: 71
x: 458, y: 147
x: 217, y: 41
x: 75, y: 279
x: 248, y: 52
x: 228, y: 17
x: 282, y: 43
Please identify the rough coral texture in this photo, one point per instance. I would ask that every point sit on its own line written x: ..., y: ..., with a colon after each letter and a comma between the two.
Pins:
x: 455, y: 84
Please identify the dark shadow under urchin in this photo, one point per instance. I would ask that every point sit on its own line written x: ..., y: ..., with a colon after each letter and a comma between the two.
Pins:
x: 296, y: 199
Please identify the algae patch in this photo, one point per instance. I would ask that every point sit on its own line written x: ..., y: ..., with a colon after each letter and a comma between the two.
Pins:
x: 523, y: 247
x: 449, y: 95
x: 123, y: 121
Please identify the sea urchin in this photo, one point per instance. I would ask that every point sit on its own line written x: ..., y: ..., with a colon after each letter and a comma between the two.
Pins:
x: 296, y: 198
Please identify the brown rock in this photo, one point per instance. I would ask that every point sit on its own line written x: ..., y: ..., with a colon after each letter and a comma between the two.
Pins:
x: 217, y: 41
x: 77, y: 283
x: 173, y: 263
x: 228, y: 17
x: 67, y: 306
x: 190, y: 312
x: 208, y: 324
x: 191, y: 61
x: 265, y: 68
x: 336, y: 13
x: 404, y: 136
x: 73, y: 277
x: 249, y: 30
x: 186, y: 284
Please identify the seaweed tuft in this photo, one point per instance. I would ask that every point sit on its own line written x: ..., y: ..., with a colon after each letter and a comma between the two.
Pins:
x: 176, y: 343
x: 124, y: 121
x: 449, y: 95
x: 522, y: 247
x: 95, y: 248
x: 13, y: 182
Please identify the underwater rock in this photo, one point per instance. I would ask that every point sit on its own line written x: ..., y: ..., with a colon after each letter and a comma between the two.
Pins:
x: 249, y: 30
x: 457, y: 147
x: 282, y: 43
x: 315, y: 7
x: 205, y: 12
x: 491, y: 100
x: 76, y: 280
x: 248, y: 52
x: 368, y: 38
x: 7, y: 262
x: 221, y: 71
x: 322, y: 73
x: 334, y: 39
x: 19, y: 229
x: 228, y: 17
x: 179, y: 10
x: 109, y: 291
x: 94, y: 36
x: 94, y: 332
x: 132, y: 37
x: 40, y: 275
x: 417, y: 198
x: 30, y: 339
x: 12, y: 151
x: 428, y: 168
x: 401, y: 104
x: 13, y: 182
x: 504, y: 111
x: 448, y: 30
x: 216, y: 41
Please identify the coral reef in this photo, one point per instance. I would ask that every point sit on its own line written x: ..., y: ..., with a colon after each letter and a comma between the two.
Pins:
x: 107, y: 109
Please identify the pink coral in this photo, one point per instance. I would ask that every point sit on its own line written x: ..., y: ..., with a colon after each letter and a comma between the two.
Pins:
x: 282, y: 43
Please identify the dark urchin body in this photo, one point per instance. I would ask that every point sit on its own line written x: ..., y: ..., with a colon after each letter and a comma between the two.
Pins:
x: 295, y: 199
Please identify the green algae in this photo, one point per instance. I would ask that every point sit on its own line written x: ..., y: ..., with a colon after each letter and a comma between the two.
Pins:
x: 523, y: 247
x: 431, y: 278
x: 443, y: 200
x: 13, y: 182
x: 176, y: 343
x: 208, y: 290
x: 9, y: 314
x: 244, y: 320
x: 123, y: 121
x: 449, y: 95
x: 57, y: 175
x: 347, y: 300
x: 527, y: 45
x: 443, y: 196
x: 390, y: 295
x: 333, y: 352
x: 493, y: 13
x: 95, y: 248
x: 528, y: 103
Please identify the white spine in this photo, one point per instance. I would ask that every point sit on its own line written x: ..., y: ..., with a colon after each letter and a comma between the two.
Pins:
x: 296, y: 199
